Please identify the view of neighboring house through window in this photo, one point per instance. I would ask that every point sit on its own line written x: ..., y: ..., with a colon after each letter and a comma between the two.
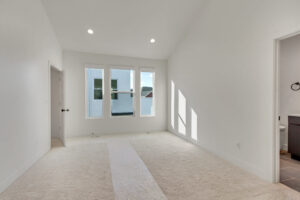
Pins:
x: 114, y: 87
x: 122, y: 92
x: 94, y: 81
x: 97, y: 89
x: 147, y: 93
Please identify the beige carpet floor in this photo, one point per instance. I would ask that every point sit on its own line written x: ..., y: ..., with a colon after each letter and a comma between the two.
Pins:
x: 77, y: 172
x: 183, y: 171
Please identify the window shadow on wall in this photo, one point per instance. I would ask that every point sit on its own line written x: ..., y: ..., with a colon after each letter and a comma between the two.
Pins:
x: 186, y: 126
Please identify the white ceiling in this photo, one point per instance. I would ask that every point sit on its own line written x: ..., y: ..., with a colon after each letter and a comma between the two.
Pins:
x: 122, y: 27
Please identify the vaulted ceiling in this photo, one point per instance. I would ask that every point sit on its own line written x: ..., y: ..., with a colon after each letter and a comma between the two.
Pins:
x: 122, y: 27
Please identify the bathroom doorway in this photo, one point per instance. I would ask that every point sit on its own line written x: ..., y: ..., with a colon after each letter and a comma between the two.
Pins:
x: 288, y: 111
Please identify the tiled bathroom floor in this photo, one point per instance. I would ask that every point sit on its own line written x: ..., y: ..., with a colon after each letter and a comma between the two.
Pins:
x: 290, y: 172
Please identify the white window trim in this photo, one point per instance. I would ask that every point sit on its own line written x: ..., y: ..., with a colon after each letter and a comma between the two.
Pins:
x: 133, y: 92
x: 106, y: 99
x: 92, y: 66
x: 148, y: 69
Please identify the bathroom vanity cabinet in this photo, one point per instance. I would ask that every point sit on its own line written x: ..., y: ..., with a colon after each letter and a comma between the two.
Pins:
x: 294, y: 136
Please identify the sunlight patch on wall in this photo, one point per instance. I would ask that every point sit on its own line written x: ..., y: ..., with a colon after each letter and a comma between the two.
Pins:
x: 172, y: 104
x: 181, y: 113
x: 181, y: 126
x: 182, y: 106
x: 194, y: 125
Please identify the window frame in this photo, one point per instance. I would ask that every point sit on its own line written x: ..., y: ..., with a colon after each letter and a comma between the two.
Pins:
x: 148, y: 69
x: 86, y: 67
x: 111, y: 67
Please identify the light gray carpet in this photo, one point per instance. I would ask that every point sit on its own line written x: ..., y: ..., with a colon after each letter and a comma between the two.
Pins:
x: 185, y: 171
x: 77, y: 172
x: 175, y: 169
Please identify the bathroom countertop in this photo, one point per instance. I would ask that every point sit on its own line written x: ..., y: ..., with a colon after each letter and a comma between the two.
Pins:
x: 294, y: 115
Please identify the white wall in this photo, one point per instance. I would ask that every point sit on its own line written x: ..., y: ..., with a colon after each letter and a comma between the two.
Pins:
x: 27, y: 43
x: 289, y: 73
x: 75, y: 122
x: 224, y: 67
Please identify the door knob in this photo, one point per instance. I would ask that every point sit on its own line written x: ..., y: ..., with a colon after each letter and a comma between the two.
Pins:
x: 65, y: 110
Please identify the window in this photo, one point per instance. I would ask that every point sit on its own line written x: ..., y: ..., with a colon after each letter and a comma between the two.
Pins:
x: 114, y: 87
x: 147, y: 93
x: 94, y: 86
x: 122, y: 92
x: 97, y: 89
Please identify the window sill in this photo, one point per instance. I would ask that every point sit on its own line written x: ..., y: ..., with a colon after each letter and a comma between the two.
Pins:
x: 146, y: 116
x: 91, y: 118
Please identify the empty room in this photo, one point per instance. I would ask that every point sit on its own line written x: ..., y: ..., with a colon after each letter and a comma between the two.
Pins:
x: 149, y: 100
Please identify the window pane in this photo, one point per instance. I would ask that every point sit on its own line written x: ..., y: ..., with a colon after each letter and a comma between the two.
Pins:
x: 97, y: 89
x: 98, y: 83
x: 95, y: 92
x: 114, y: 84
x: 122, y: 88
x: 123, y: 105
x: 147, y: 96
x: 114, y: 87
x: 122, y: 79
x: 114, y: 96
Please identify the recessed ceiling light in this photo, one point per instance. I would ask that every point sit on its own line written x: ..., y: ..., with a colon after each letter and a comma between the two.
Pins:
x: 90, y: 31
x: 152, y: 40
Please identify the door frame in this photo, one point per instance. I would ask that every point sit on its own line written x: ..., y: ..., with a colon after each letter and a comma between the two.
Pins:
x: 54, y: 66
x: 276, y: 104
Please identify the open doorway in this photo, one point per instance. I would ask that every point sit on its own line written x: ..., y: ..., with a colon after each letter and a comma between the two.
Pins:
x: 57, y: 107
x: 288, y: 111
